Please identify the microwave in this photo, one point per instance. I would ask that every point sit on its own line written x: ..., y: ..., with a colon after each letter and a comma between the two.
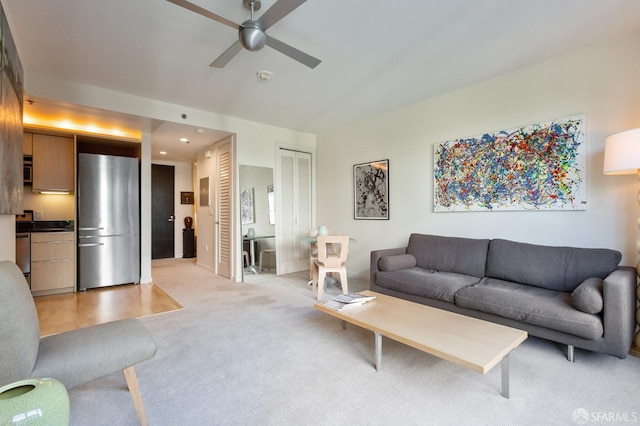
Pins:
x: 28, y: 170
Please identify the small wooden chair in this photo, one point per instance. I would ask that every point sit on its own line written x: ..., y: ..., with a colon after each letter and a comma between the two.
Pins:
x: 332, y: 257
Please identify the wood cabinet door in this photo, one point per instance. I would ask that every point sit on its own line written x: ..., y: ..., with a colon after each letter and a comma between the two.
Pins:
x: 52, y: 163
x: 52, y: 262
x: 27, y: 143
x: 52, y: 275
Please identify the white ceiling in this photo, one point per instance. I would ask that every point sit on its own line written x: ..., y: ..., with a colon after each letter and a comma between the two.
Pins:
x: 376, y: 55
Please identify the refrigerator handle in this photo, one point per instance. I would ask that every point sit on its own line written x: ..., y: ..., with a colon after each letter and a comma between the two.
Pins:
x: 91, y: 245
x: 90, y: 228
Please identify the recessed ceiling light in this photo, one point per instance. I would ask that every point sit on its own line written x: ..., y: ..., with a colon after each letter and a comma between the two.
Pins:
x: 185, y: 140
x: 198, y: 130
x: 163, y: 152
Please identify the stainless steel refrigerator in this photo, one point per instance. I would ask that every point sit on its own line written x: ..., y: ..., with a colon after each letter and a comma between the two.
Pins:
x: 108, y: 220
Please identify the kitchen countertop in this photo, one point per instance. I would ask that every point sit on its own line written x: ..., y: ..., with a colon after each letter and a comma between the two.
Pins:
x: 46, y: 226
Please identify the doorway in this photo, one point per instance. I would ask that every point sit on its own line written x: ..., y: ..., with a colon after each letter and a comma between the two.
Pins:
x: 162, y: 211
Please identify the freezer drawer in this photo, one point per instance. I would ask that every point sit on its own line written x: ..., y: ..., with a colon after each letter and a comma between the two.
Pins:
x: 105, y: 261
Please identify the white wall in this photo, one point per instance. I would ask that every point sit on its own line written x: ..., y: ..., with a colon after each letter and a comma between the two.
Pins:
x: 52, y: 206
x: 206, y: 167
x: 601, y: 82
x: 145, y: 208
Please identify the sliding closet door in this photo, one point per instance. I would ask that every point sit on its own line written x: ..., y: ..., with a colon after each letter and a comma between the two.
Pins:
x: 293, y: 212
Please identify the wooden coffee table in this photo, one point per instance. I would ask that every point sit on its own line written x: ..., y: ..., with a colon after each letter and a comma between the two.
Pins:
x: 475, y: 344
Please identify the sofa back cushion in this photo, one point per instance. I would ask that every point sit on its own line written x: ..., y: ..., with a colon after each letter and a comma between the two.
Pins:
x: 449, y: 254
x: 554, y: 268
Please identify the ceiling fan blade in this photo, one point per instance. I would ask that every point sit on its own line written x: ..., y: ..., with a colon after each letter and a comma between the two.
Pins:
x: 293, y: 53
x: 227, y: 55
x: 204, y: 12
x: 279, y: 10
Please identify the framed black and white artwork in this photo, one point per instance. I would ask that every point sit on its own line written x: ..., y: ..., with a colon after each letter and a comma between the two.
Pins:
x: 371, y: 190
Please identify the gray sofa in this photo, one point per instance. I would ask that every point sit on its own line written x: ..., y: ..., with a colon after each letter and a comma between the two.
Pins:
x: 580, y: 297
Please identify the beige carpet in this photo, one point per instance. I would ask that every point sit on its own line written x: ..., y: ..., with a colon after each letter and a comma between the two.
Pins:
x: 259, y: 354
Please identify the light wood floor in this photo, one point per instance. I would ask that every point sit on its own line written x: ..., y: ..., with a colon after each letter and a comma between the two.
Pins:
x: 62, y: 312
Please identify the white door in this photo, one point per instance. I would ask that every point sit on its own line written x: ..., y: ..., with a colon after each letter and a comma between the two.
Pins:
x: 293, y: 210
x: 224, y: 203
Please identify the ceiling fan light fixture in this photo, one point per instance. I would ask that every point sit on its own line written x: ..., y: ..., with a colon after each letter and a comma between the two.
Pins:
x: 252, y: 37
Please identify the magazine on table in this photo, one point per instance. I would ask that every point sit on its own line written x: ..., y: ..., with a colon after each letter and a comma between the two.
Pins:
x: 346, y: 301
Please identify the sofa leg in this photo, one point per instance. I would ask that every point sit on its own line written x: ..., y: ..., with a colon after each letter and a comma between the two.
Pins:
x: 134, y: 390
x: 570, y: 350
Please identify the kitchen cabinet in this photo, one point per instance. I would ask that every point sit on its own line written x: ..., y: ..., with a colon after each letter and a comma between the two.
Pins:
x: 53, y: 263
x: 53, y: 165
x: 27, y: 143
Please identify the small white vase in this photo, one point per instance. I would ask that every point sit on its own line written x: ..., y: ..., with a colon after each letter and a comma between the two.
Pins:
x: 251, y: 233
x: 34, y: 402
x: 322, y: 230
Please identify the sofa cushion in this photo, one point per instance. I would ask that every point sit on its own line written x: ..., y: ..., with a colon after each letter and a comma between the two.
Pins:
x: 449, y: 254
x: 554, y: 268
x: 531, y: 305
x: 587, y: 297
x: 425, y: 282
x: 400, y: 261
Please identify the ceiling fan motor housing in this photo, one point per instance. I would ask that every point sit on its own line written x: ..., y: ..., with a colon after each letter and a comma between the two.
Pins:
x: 252, y: 37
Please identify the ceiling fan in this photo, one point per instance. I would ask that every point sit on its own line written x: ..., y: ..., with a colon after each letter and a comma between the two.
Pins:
x: 252, y: 33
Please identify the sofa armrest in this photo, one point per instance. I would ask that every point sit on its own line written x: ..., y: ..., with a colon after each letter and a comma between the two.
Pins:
x: 375, y: 257
x: 618, y: 292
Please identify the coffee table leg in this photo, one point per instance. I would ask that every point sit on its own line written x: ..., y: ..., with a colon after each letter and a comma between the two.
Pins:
x: 378, y: 350
x: 504, y: 367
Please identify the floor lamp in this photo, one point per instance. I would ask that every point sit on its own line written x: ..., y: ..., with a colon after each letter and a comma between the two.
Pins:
x: 622, y: 157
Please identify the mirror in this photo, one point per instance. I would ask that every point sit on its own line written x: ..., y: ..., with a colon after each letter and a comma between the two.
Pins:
x: 257, y: 216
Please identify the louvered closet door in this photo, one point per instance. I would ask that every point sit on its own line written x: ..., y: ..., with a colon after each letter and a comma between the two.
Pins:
x: 223, y: 209
x: 293, y: 215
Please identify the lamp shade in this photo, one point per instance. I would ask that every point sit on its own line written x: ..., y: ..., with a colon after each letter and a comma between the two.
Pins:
x: 622, y: 153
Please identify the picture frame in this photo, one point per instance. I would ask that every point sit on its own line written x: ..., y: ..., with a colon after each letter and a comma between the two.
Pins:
x: 186, y: 197
x: 371, y: 190
x: 247, y: 207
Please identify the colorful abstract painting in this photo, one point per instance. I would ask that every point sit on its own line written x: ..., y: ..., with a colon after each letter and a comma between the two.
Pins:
x: 536, y: 167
